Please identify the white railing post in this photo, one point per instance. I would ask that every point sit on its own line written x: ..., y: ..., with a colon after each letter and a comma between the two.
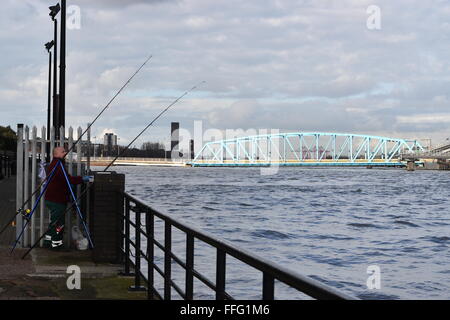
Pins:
x: 62, y: 136
x: 33, y: 182
x: 26, y: 178
x: 19, y: 179
x: 79, y: 173
x: 88, y: 170
x: 68, y: 216
x: 52, y: 142
x: 42, y: 208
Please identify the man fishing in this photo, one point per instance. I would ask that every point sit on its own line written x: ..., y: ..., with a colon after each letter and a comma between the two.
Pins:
x: 57, y: 197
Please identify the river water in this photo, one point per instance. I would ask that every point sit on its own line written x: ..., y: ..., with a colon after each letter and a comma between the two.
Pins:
x: 330, y: 224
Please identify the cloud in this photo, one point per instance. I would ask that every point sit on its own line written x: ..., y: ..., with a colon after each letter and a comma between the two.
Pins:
x: 290, y: 65
x: 425, y: 119
x: 116, y: 4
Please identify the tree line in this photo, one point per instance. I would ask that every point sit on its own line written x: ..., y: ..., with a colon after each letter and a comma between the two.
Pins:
x: 8, y: 139
x: 147, y: 150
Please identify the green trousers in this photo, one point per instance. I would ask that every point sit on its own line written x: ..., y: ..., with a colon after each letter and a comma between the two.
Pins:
x: 57, y: 220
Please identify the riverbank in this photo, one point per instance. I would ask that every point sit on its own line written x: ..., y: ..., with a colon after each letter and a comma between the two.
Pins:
x: 42, y: 275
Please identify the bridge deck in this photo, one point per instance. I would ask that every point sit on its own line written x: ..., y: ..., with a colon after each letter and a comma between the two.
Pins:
x: 247, y: 163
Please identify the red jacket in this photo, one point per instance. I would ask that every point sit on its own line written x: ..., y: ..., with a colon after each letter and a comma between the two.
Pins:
x: 58, y: 190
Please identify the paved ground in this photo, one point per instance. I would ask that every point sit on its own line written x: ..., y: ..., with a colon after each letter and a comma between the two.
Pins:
x: 43, y: 273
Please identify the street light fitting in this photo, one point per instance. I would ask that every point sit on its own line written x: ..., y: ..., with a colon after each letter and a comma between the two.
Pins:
x: 49, y: 45
x: 54, y: 10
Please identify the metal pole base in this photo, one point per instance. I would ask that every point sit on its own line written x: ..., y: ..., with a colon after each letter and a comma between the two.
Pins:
x: 137, y: 289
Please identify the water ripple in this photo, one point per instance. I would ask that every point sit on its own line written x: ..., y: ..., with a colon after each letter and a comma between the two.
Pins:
x: 329, y: 223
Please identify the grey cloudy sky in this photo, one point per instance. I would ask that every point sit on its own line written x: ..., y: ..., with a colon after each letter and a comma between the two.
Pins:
x: 283, y: 64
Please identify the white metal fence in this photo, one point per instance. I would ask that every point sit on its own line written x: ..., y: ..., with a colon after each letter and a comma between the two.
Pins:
x: 31, y: 151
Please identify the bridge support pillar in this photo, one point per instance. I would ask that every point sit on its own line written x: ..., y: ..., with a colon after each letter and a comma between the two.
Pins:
x: 411, y: 166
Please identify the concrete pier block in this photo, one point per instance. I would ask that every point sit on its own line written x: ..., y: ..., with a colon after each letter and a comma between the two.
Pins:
x: 106, y: 210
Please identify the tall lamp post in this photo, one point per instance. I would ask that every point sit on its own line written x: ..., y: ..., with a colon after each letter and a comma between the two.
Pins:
x: 48, y: 46
x: 62, y: 67
x: 56, y: 124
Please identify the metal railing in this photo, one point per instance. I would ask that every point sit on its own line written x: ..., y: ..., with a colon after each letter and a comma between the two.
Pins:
x: 6, y: 169
x: 132, y: 259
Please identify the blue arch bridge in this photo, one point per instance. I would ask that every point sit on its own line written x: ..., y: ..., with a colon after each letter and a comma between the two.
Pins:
x: 306, y: 149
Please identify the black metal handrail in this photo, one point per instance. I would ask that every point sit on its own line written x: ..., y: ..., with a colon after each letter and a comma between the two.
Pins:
x: 5, y: 166
x: 270, y: 271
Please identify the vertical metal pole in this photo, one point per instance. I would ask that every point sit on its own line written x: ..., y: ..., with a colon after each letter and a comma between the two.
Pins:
x: 220, y: 275
x: 26, y: 178
x: 189, y: 267
x: 62, y: 70
x: 88, y: 144
x: 55, y: 80
x: 167, y: 259
x: 33, y: 180
x: 79, y: 173
x: 19, y: 179
x: 137, y: 251
x: 268, y: 287
x: 149, y: 225
x: 127, y: 237
x: 44, y: 152
x: 49, y: 104
x: 68, y: 216
x: 52, y: 142
x: 70, y: 144
x: 62, y: 136
x: 88, y: 171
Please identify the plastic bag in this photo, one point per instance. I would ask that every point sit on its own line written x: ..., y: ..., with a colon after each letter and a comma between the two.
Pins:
x: 42, y: 167
x: 81, y: 243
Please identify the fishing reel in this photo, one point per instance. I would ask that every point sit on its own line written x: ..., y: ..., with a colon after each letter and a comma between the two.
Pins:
x: 25, y: 213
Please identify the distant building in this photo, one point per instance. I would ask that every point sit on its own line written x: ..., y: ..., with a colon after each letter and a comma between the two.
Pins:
x: 191, y: 149
x: 174, y: 137
x: 109, y: 142
x: 175, y: 151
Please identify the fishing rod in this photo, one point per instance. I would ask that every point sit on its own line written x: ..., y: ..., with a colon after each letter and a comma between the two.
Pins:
x: 20, y: 210
x: 111, y: 163
x: 153, y: 121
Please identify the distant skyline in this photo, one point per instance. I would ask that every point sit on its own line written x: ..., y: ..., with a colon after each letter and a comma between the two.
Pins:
x: 287, y: 65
